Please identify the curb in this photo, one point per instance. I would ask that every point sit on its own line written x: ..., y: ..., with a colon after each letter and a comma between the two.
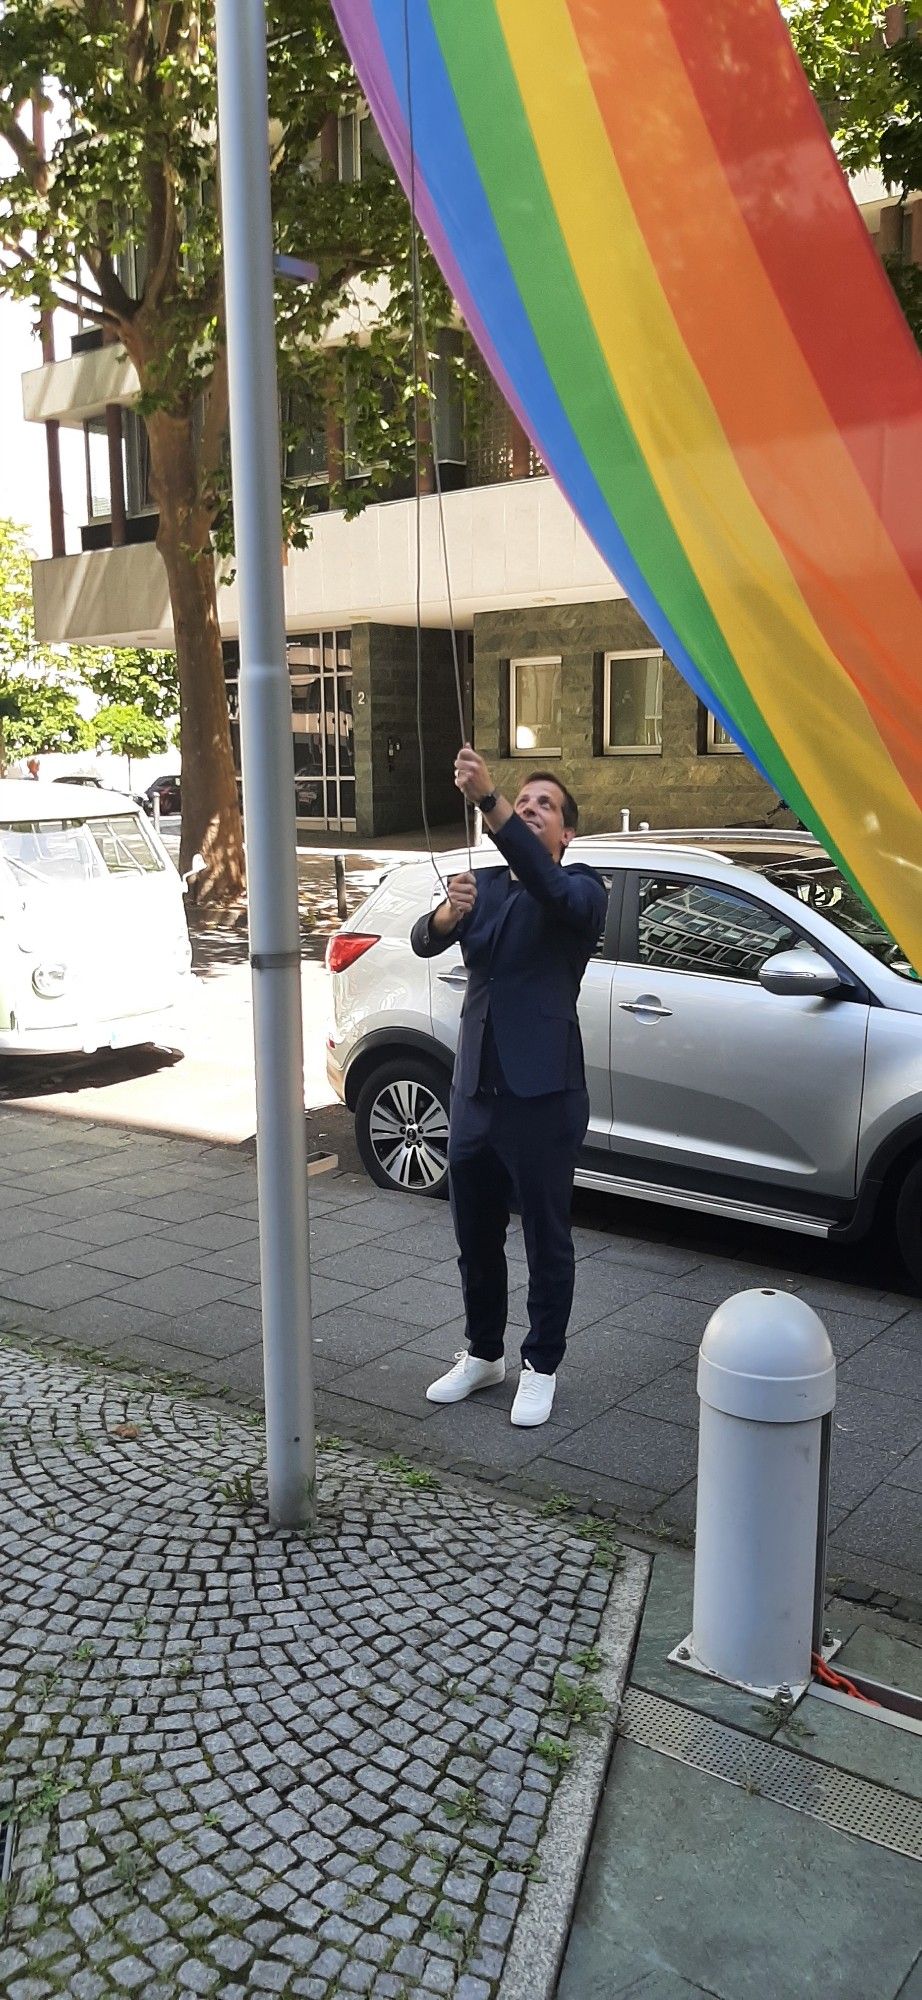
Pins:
x: 539, y: 1940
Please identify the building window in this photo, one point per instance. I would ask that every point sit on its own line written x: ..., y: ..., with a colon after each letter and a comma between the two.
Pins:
x: 96, y: 459
x: 304, y: 438
x: 360, y: 144
x: 447, y: 407
x: 371, y: 413
x: 136, y: 449
x: 718, y: 739
x: 534, y: 708
x: 633, y: 704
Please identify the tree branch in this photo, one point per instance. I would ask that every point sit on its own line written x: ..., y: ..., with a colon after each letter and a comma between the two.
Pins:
x: 24, y: 256
x: 32, y: 162
x: 170, y: 28
x: 136, y: 16
x: 114, y: 296
x: 162, y: 235
x: 214, y: 423
x: 94, y: 310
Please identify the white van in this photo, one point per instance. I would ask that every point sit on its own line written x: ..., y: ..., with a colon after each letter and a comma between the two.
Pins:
x: 94, y: 945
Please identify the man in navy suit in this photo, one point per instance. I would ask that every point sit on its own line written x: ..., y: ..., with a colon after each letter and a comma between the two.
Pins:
x: 519, y: 1107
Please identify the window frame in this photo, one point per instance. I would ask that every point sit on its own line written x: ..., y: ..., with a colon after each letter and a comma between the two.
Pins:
x: 533, y: 660
x: 289, y: 401
x: 610, y: 749
x: 354, y: 117
x: 447, y: 347
x: 95, y: 427
x: 712, y: 747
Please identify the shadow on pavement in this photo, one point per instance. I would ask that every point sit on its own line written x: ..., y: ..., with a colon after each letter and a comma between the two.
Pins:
x: 44, y: 1076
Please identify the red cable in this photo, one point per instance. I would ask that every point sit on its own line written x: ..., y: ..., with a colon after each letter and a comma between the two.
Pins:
x: 826, y: 1674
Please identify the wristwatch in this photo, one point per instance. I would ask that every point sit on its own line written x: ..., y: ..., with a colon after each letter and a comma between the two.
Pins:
x: 488, y: 803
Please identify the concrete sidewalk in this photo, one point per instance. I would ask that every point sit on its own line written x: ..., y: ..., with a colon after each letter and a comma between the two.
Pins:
x: 144, y: 1248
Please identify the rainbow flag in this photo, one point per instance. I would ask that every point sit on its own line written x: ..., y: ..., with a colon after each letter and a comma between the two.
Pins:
x: 638, y: 210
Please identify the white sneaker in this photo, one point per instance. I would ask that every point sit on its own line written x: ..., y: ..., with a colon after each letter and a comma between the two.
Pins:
x: 534, y: 1398
x: 467, y: 1375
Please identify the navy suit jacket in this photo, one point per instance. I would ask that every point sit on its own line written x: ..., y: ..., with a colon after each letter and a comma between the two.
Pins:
x: 526, y: 953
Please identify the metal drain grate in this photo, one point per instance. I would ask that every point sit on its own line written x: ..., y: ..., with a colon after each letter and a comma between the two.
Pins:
x: 854, y: 1805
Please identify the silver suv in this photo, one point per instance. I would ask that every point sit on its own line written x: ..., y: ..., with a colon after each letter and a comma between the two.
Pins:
x: 753, y: 1038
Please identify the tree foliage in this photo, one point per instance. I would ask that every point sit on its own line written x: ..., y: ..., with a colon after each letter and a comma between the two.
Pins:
x: 127, y: 731
x: 46, y: 683
x: 46, y: 717
x: 137, y: 677
x: 869, y: 90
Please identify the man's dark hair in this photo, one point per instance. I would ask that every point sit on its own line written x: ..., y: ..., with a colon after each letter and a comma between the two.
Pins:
x: 570, y: 807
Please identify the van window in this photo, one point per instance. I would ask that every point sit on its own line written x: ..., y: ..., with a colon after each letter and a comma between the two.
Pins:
x: 69, y: 850
x: 125, y: 845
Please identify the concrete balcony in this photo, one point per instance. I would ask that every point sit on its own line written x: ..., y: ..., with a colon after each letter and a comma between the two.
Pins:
x: 110, y: 597
x: 509, y: 546
x: 80, y: 387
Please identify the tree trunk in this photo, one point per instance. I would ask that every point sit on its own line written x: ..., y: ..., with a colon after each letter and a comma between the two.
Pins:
x: 211, y: 823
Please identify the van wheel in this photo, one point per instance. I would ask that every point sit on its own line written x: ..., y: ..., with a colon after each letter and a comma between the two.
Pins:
x: 908, y: 1222
x: 401, y: 1126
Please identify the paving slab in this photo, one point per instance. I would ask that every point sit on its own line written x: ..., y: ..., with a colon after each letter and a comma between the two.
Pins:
x: 885, y: 1365
x: 888, y: 1524
x: 235, y: 1752
x: 765, y: 1904
x: 644, y: 1449
x: 58, y: 1284
x: 909, y: 1471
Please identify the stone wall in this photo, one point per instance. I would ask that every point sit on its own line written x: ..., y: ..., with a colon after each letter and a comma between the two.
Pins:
x: 386, y: 738
x: 685, y: 786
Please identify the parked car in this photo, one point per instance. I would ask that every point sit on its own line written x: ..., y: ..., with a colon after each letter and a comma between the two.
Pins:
x: 81, y: 778
x: 753, y: 1037
x: 94, y: 946
x: 169, y: 791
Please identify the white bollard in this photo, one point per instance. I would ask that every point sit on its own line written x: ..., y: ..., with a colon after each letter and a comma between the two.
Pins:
x: 766, y: 1380
x: 625, y: 819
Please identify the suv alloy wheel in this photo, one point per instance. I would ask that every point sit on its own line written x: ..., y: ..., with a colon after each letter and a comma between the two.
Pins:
x: 401, y: 1126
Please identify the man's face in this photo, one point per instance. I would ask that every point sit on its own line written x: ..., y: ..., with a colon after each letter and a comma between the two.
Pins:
x: 540, y: 805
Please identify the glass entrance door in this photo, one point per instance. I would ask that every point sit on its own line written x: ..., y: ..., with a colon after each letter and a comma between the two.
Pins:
x: 320, y: 665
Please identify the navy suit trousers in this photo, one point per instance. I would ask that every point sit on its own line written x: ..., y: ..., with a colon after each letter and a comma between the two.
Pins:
x: 508, y: 1152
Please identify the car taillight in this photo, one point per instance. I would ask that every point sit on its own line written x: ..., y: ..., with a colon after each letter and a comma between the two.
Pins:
x: 346, y: 947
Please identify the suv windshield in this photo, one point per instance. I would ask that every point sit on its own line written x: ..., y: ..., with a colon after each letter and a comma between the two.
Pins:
x: 71, y: 850
x: 816, y: 881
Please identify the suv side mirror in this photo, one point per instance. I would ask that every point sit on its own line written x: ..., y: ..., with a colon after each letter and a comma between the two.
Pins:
x: 199, y: 865
x: 802, y: 971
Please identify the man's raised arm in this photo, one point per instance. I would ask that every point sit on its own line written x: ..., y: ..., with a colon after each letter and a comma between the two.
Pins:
x: 439, y: 928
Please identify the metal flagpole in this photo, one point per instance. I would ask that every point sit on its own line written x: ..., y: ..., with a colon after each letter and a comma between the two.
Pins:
x: 268, y: 793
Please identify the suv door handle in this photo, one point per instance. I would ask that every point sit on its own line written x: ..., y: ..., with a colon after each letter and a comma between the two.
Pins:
x: 647, y: 1005
x: 456, y: 978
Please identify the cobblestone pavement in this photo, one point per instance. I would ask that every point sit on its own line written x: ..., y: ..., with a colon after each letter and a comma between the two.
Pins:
x: 240, y: 1761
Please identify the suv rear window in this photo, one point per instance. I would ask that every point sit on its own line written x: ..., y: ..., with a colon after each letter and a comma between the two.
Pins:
x: 821, y: 886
